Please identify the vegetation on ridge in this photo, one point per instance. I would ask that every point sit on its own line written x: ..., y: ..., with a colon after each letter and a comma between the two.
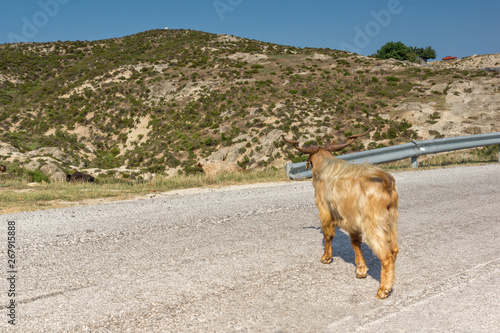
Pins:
x: 165, y: 99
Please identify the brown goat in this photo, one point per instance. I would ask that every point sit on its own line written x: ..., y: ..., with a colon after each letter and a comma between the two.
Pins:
x: 213, y: 168
x: 362, y: 200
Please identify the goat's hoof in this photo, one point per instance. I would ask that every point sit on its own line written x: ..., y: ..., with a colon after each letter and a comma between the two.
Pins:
x: 383, y: 293
x: 361, y: 275
x: 361, y: 272
x: 325, y: 260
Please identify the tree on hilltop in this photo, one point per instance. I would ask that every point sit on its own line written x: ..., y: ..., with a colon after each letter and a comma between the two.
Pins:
x: 399, y: 51
x: 427, y: 53
x: 392, y: 50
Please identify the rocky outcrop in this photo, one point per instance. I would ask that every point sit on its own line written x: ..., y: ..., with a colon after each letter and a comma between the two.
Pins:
x: 474, y: 106
x: 55, y: 152
x: 54, y: 173
x: 264, y: 149
x: 248, y: 57
x: 468, y: 63
x: 267, y: 147
x: 467, y: 108
x: 213, y: 168
x: 38, y: 160
x: 148, y: 176
x: 6, y: 149
x: 229, y: 154
x: 33, y: 165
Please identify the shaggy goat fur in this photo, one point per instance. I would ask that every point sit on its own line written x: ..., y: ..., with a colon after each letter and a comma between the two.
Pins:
x: 362, y: 200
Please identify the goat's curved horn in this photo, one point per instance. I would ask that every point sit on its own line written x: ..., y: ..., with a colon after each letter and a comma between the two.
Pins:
x: 293, y: 142
x: 306, y: 150
x: 331, y: 147
x: 358, y: 135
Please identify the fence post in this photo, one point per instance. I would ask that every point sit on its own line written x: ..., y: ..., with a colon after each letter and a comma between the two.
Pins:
x: 414, y: 162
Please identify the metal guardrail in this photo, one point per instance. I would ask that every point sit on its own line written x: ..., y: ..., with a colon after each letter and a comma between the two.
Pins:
x: 408, y: 150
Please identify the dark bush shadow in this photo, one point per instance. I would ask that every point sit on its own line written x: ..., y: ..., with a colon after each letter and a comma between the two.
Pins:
x: 342, y: 248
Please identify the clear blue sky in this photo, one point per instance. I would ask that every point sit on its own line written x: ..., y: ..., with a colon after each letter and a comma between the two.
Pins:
x: 459, y: 28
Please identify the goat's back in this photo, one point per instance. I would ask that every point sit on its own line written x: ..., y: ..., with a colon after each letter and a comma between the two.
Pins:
x: 356, y: 194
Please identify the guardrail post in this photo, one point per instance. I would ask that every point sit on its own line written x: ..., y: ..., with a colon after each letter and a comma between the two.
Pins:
x: 498, y: 153
x: 414, y: 162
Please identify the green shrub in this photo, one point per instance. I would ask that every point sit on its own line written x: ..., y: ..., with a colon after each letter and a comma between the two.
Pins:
x: 35, y: 176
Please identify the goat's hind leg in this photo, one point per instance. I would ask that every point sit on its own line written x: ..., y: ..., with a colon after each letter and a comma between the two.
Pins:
x: 386, y: 275
x: 387, y: 255
x: 361, y: 269
x: 393, y: 241
x: 381, y: 246
x: 388, y: 261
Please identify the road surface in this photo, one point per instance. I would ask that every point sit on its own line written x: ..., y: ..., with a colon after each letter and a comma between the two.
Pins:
x: 247, y: 259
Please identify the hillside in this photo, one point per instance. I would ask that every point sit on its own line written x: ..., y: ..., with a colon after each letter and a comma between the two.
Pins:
x: 163, y: 100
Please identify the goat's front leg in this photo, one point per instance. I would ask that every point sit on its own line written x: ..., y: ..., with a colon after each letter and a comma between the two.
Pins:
x: 361, y: 269
x: 329, y: 232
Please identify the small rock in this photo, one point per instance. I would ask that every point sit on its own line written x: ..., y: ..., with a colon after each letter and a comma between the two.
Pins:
x: 33, y: 165
x: 53, y: 172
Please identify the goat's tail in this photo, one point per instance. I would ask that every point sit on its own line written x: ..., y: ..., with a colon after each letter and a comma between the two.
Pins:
x: 389, y: 184
x: 392, y: 209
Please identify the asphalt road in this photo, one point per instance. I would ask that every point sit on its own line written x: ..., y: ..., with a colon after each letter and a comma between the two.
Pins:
x: 247, y: 259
